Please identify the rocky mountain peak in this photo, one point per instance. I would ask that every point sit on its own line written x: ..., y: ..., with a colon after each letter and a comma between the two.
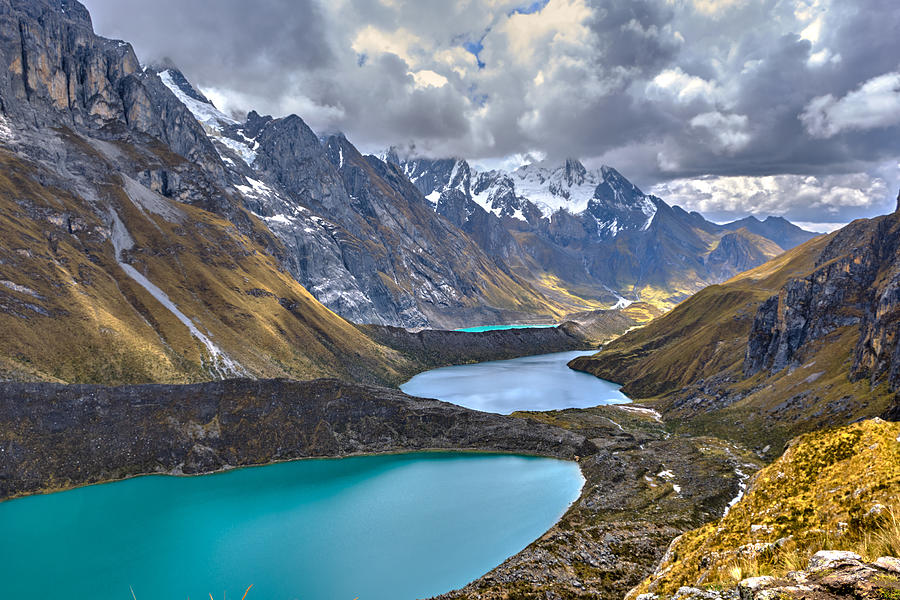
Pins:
x: 575, y: 172
x: 72, y: 11
x: 255, y: 123
x: 178, y: 80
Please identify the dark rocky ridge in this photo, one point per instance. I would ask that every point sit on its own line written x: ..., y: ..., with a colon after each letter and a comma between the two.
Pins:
x: 58, y: 436
x: 855, y: 283
x: 433, y: 347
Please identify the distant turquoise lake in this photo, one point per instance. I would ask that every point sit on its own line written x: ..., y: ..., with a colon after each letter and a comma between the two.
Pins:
x: 541, y: 382
x: 393, y: 527
x: 501, y: 327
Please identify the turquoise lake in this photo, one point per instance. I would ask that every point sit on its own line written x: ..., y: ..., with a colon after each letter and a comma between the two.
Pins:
x: 393, y: 527
x: 541, y: 382
x: 501, y: 327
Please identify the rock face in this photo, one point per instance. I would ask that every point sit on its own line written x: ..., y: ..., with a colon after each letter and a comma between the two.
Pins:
x: 855, y: 283
x: 830, y: 574
x: 56, y: 436
x: 594, y: 229
x: 807, y: 340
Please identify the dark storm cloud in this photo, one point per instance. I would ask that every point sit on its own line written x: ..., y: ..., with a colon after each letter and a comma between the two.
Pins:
x: 747, y: 99
x: 219, y: 42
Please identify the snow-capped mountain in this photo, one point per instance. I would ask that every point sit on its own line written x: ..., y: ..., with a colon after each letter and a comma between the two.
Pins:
x: 593, y: 232
x: 538, y: 191
x: 221, y: 128
x: 355, y: 232
x: 421, y: 242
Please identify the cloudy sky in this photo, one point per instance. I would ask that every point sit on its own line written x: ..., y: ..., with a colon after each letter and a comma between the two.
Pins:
x: 728, y: 107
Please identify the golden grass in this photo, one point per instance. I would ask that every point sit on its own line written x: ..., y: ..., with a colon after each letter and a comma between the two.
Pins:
x: 105, y: 328
x: 831, y: 490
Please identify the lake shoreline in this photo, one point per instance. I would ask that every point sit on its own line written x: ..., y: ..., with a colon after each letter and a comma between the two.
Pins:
x: 321, y: 516
x: 217, y: 427
x: 73, y: 435
x: 233, y: 468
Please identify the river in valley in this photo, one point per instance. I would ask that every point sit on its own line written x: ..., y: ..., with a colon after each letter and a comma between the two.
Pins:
x: 541, y: 382
x: 389, y: 527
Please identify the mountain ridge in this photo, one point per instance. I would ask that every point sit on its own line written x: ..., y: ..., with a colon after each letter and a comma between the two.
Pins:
x: 592, y: 229
x: 805, y: 341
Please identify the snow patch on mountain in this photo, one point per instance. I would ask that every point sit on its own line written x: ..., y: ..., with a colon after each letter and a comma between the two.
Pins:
x: 551, y: 190
x: 208, y: 115
x: 219, y: 126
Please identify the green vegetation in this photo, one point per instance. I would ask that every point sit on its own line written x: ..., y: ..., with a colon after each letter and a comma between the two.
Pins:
x: 835, y: 489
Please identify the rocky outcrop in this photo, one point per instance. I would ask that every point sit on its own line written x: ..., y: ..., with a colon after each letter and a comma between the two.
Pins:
x: 854, y: 283
x: 836, y: 487
x: 54, y: 63
x: 830, y: 575
x: 55, y: 436
x: 435, y: 348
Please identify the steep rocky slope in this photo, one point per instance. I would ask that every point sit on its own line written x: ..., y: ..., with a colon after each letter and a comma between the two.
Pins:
x: 121, y: 284
x: 127, y: 255
x: 830, y: 490
x: 592, y: 234
x: 804, y: 341
x: 358, y: 235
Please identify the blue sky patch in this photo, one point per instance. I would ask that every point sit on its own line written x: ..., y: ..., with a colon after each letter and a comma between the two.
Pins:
x: 536, y: 6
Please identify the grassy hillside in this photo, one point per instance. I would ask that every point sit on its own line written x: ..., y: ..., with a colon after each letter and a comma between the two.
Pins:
x: 834, y: 489
x: 702, y: 336
x: 689, y: 362
x: 72, y: 314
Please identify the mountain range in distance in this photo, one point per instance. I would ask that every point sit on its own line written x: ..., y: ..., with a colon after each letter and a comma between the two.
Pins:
x: 554, y: 239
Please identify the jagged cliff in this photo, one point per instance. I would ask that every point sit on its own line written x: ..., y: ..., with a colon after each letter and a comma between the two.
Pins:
x: 806, y: 340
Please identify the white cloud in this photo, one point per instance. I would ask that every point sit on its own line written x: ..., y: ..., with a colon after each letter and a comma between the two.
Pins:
x: 806, y: 196
x: 428, y: 78
x: 876, y: 103
x: 729, y: 132
x: 819, y: 227
x: 681, y: 87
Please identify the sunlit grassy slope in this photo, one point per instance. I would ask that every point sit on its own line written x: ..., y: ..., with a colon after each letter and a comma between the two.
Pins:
x: 832, y: 489
x: 70, y: 312
x: 690, y: 362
